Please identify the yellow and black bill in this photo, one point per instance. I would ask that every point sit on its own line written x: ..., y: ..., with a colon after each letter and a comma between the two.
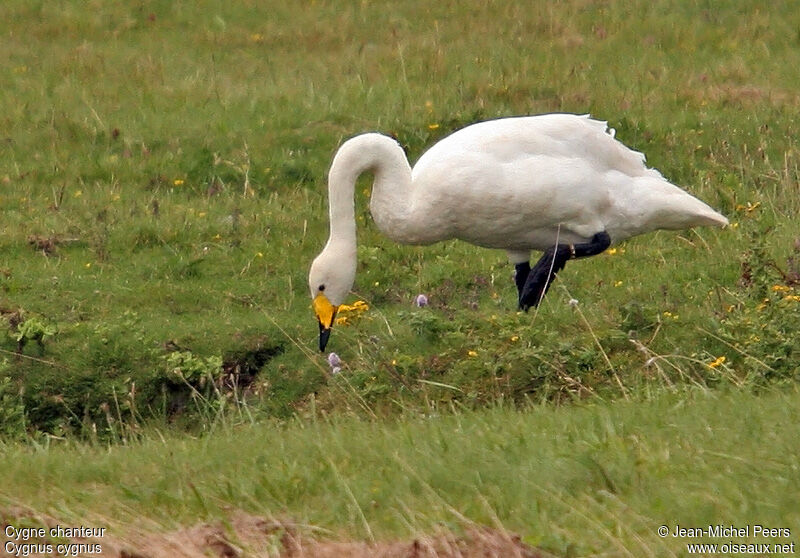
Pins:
x: 326, y: 313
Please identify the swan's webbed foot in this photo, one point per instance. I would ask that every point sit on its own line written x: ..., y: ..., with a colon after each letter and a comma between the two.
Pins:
x: 552, y: 261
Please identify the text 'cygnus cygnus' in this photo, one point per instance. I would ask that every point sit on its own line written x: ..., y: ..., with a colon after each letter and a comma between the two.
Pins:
x: 559, y: 183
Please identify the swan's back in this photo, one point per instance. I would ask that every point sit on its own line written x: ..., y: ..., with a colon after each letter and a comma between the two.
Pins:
x: 561, y: 173
x: 556, y: 135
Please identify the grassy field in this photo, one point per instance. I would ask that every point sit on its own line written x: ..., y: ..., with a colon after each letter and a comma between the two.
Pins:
x: 162, y: 193
x: 596, y: 479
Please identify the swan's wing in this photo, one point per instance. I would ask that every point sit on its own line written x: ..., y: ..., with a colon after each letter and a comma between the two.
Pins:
x: 521, y: 203
x: 518, y: 183
x: 566, y: 136
x: 521, y: 182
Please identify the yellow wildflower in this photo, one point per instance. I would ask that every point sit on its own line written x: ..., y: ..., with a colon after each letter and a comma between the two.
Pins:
x: 780, y: 288
x: 717, y: 362
x: 472, y: 353
x: 795, y: 298
x: 347, y: 311
x: 749, y: 208
x: 433, y: 126
x: 611, y: 251
x: 177, y: 182
x: 357, y: 306
x: 515, y: 338
x: 617, y: 283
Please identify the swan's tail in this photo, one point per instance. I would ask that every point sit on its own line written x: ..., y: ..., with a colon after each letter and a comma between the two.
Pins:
x: 658, y: 204
x: 711, y: 218
x: 674, y: 208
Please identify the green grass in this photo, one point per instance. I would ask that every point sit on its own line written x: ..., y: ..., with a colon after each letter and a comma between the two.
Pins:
x: 595, y: 479
x: 163, y: 192
x: 163, y: 171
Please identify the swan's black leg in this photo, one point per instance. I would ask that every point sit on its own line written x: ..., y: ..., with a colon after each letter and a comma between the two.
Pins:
x: 521, y: 271
x: 552, y: 261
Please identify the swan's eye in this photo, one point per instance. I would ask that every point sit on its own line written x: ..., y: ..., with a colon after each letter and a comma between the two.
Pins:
x: 321, y: 288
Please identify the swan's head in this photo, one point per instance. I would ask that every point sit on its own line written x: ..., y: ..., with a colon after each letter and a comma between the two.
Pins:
x: 329, y: 280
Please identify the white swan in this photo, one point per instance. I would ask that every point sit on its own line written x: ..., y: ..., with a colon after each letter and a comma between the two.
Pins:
x: 559, y: 183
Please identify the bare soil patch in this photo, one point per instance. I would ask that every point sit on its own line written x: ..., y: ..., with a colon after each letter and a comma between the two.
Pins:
x: 246, y: 535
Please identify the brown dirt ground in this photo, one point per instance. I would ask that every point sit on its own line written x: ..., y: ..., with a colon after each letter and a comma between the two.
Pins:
x: 245, y: 535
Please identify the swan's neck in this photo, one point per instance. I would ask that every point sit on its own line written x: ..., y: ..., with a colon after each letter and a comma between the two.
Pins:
x: 383, y: 157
